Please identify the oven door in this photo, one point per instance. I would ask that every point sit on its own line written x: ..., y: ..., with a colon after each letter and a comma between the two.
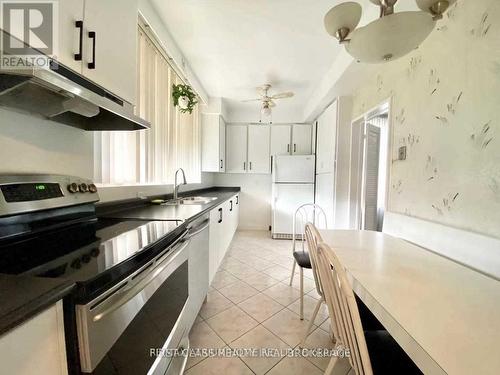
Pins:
x: 119, y: 331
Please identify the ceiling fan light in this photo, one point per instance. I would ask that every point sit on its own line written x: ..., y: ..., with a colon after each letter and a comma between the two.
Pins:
x: 390, y: 37
x: 265, y: 111
x: 342, y: 19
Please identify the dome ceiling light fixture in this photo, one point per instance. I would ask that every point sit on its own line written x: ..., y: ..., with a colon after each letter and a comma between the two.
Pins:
x: 388, y: 38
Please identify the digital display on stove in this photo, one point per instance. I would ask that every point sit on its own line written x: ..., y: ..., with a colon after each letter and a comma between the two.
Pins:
x: 26, y: 192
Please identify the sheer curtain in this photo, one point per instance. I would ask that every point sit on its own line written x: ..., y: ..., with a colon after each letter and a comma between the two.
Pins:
x: 173, y: 141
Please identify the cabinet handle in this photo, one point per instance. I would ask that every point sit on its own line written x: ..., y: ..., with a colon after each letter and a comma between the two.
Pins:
x: 231, y: 203
x: 244, y: 166
x: 250, y: 165
x: 288, y: 147
x: 79, y: 25
x: 220, y: 215
x: 237, y: 199
x: 294, y: 147
x: 91, y: 65
x: 221, y: 164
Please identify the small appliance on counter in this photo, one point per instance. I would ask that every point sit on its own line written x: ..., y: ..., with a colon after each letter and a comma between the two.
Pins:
x: 293, y: 185
x: 132, y: 276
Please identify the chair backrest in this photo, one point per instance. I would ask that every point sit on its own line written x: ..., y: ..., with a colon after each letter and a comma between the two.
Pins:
x: 340, y: 299
x: 306, y: 213
x: 313, y: 238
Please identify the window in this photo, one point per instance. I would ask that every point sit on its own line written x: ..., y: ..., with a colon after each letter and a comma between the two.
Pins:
x: 173, y: 141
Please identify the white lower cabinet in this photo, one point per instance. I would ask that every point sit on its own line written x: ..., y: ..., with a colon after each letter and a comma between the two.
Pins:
x: 223, y: 225
x: 37, y: 346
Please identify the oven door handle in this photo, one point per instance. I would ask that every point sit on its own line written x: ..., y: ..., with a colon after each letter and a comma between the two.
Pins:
x: 197, y: 230
x: 123, y: 295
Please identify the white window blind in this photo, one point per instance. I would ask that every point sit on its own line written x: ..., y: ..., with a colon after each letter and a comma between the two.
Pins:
x: 173, y: 141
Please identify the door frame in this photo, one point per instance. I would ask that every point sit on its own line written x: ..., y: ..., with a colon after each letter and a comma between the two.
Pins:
x: 385, y: 105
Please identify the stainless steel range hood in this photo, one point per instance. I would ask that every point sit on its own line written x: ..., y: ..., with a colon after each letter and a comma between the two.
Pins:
x: 62, y: 95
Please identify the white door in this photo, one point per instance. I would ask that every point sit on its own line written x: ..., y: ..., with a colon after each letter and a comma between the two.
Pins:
x: 356, y: 173
x: 70, y: 30
x: 286, y: 199
x: 301, y: 139
x: 325, y: 196
x: 280, y: 139
x: 236, y: 148
x: 293, y: 168
x: 222, y: 145
x: 326, y: 139
x: 114, y: 24
x: 259, y: 160
x: 370, y: 178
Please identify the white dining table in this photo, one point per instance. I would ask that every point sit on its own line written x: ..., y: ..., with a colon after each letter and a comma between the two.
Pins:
x: 444, y: 315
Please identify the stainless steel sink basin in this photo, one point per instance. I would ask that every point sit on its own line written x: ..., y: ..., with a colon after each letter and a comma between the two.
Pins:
x: 191, y: 200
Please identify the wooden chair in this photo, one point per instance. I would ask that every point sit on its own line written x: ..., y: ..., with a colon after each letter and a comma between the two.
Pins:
x: 371, y: 352
x: 313, y: 238
x: 313, y: 213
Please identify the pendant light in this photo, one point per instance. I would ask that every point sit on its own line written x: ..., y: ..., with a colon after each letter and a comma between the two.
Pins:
x: 391, y: 36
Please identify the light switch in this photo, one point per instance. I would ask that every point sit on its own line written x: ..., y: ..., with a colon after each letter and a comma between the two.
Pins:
x: 402, y: 153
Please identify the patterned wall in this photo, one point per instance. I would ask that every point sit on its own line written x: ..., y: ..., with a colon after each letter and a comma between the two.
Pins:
x: 446, y: 110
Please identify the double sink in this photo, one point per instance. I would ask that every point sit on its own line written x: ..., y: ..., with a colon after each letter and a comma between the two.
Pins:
x: 185, y: 200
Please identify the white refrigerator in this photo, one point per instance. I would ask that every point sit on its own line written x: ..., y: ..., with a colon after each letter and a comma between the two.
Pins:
x: 293, y: 186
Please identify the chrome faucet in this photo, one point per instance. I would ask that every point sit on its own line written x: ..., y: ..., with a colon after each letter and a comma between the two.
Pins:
x: 176, y: 186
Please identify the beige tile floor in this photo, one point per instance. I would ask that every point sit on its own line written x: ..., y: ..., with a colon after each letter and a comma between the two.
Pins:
x: 250, y: 305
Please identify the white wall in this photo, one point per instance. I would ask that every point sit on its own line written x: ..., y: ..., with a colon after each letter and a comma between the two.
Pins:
x: 445, y: 110
x: 255, y: 198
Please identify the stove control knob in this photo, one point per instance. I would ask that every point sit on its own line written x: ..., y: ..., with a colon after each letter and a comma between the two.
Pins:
x: 92, y: 188
x: 73, y: 188
x: 83, y: 187
x: 86, y: 258
x: 76, y: 264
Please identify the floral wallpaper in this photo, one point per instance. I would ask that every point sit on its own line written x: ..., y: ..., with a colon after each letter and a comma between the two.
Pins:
x: 446, y: 110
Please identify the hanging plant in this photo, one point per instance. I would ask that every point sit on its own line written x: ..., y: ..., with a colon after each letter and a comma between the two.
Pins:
x: 184, y: 98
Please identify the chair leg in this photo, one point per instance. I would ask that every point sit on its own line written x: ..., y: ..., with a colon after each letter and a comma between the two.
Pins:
x: 331, y: 366
x: 310, y: 324
x: 301, y: 293
x: 293, y: 272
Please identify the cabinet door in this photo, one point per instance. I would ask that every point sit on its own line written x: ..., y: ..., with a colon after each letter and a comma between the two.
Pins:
x: 70, y: 11
x: 280, y: 139
x: 301, y: 139
x: 258, y: 149
x: 326, y: 146
x: 236, y: 148
x: 115, y: 26
x: 222, y: 145
x: 214, y: 243
x: 325, y: 196
x: 210, y: 138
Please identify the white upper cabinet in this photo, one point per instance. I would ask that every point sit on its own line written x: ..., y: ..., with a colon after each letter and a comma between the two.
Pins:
x: 258, y: 149
x: 326, y: 140
x: 280, y: 139
x: 301, y: 139
x: 236, y: 148
x: 70, y: 34
x: 110, y: 45
x: 213, y: 143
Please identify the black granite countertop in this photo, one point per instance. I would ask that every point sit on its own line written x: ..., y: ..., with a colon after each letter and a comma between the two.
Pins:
x: 144, y: 210
x: 22, y: 297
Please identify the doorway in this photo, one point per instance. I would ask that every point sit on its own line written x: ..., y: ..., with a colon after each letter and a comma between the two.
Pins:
x: 369, y: 168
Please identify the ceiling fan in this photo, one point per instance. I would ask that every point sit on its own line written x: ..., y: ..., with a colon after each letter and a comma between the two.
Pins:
x: 267, y: 100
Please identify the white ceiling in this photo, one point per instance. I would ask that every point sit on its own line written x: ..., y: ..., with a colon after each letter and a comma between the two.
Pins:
x: 235, y: 45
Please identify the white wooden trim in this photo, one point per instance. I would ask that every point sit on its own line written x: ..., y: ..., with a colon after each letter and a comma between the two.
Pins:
x: 473, y: 250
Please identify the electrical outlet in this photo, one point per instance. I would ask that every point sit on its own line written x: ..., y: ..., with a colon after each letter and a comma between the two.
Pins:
x: 141, y: 195
x: 402, y: 153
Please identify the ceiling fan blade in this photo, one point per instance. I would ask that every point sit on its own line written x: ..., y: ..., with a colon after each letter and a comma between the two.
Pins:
x: 252, y: 100
x: 282, y: 95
